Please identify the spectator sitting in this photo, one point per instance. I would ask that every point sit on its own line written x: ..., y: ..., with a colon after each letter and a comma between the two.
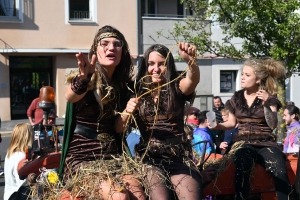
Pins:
x: 291, y: 117
x: 51, y: 121
x: 202, y: 133
x: 192, y: 117
x: 20, y: 139
x: 228, y: 134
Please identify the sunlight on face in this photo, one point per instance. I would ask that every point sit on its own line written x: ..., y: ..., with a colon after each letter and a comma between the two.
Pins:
x: 156, y: 67
x: 109, y: 52
x: 248, y: 78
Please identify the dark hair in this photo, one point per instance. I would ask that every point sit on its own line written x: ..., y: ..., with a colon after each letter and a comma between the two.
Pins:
x: 293, y: 110
x: 290, y: 103
x: 123, y: 72
x: 170, y: 73
x: 218, y: 97
x: 202, y: 116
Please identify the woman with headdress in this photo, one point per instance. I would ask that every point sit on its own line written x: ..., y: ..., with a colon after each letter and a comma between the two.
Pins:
x: 96, y: 95
x: 159, y: 106
x: 255, y: 109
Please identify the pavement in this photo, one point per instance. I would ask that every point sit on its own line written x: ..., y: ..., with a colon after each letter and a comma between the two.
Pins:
x: 8, y: 126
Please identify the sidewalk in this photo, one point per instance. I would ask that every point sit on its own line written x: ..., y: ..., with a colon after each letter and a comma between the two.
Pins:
x: 8, y: 126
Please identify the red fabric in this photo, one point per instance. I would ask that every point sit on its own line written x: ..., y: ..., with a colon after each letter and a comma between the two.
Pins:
x: 192, y: 121
x: 35, y: 112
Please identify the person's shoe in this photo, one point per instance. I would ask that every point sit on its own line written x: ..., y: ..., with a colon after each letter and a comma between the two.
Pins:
x: 1, y: 172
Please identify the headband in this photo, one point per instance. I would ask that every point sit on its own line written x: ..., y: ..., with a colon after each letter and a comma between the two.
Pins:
x: 107, y: 34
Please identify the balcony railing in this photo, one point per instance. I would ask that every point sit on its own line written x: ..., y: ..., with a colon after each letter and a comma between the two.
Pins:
x: 164, y: 15
x: 80, y: 15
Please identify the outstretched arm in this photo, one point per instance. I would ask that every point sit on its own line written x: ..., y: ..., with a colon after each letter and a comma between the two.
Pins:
x: 228, y: 125
x: 188, y: 84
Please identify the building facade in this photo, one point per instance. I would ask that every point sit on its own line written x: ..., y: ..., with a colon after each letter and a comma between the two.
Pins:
x: 39, y: 40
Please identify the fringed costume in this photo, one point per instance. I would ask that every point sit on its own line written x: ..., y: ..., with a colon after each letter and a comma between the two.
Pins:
x: 163, y: 142
x: 92, y: 150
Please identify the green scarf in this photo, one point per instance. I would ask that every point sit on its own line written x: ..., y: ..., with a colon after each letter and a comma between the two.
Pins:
x: 69, y: 128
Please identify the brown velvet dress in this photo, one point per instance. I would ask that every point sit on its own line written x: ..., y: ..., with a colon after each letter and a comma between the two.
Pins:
x: 163, y: 142
x: 99, y: 141
x: 258, y: 146
x: 253, y: 128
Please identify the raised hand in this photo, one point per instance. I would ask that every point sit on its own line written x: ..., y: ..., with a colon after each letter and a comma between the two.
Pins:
x: 85, y: 66
x: 132, y: 105
x: 187, y: 51
x: 263, y: 95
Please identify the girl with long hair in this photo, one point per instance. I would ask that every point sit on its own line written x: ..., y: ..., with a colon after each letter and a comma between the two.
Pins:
x: 21, y: 138
x: 96, y: 94
x: 158, y: 108
x: 255, y: 109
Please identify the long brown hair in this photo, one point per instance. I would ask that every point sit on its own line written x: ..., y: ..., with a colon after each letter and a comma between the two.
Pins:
x: 21, y: 137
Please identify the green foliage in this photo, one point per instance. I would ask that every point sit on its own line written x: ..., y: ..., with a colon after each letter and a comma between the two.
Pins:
x: 267, y: 27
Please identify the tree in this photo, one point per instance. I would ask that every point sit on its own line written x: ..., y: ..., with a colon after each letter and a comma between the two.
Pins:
x: 267, y: 27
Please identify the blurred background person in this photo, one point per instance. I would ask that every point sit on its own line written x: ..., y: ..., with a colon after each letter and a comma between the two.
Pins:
x: 218, y: 106
x: 21, y: 138
x: 191, y: 118
x: 202, y: 133
x: 291, y: 117
x: 228, y: 134
x: 218, y: 135
x: 34, y: 113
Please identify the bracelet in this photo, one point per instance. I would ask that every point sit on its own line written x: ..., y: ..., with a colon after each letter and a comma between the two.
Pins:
x: 78, y: 85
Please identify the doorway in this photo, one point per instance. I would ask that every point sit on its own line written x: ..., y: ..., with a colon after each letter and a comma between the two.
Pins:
x: 27, y: 75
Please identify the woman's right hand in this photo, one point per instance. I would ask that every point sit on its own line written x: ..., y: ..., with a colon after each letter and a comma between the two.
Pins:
x: 132, y: 105
x: 223, y: 145
x: 85, y: 67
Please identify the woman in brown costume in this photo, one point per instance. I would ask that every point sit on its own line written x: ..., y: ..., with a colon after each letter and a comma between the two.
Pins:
x: 163, y: 146
x: 97, y: 95
x: 255, y: 109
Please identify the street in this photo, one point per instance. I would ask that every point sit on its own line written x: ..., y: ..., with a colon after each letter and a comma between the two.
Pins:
x: 3, y: 148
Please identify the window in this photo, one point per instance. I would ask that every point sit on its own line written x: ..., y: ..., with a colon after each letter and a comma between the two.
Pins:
x: 149, y: 8
x: 81, y: 11
x: 163, y: 8
x: 226, y: 76
x: 228, y: 81
x: 11, y: 11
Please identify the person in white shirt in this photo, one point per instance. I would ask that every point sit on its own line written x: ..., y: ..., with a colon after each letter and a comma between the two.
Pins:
x: 22, y: 137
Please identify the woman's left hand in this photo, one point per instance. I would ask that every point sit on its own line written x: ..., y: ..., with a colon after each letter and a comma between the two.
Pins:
x: 263, y: 95
x: 187, y: 51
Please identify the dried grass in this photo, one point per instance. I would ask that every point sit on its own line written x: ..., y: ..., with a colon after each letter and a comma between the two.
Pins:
x: 86, y: 181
